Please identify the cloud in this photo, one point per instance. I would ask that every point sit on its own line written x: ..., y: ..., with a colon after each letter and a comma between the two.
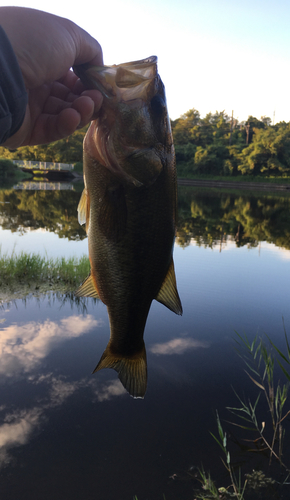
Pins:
x: 177, y: 346
x: 23, y: 347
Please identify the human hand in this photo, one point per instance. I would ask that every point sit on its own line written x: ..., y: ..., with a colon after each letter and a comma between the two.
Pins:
x: 46, y: 47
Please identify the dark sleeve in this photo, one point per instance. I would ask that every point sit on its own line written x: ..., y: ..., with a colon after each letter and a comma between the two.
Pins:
x: 13, y: 95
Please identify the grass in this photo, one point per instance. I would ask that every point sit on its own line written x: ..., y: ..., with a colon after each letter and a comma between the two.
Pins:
x: 27, y: 272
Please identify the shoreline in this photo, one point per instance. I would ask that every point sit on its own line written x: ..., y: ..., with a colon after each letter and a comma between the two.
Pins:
x: 234, y: 184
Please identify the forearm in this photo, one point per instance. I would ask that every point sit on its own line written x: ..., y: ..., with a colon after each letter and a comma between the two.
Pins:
x: 13, y: 95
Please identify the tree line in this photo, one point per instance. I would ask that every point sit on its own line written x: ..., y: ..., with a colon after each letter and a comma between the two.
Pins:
x: 67, y: 150
x: 221, y: 145
x: 215, y: 145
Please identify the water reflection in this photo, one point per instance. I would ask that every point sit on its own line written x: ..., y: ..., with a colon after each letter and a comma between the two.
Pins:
x: 60, y: 299
x: 210, y: 218
x: 16, y: 430
x: 63, y: 430
x: 19, y: 426
x: 177, y: 346
x: 36, y: 185
x: 55, y: 211
x: 23, y: 347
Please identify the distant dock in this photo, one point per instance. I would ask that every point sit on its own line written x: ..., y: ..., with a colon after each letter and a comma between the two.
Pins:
x: 47, y: 169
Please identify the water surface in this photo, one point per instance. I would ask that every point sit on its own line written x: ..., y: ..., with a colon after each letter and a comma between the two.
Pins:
x: 65, y: 433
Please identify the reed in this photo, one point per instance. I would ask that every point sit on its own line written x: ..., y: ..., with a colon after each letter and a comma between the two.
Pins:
x: 261, y: 362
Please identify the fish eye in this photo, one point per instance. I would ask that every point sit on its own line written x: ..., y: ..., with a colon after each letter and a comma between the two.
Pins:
x: 158, y: 104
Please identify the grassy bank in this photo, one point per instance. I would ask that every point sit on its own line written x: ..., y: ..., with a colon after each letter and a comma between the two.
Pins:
x: 31, y: 273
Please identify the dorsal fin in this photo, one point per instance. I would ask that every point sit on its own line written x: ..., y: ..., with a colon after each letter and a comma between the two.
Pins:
x: 132, y: 370
x: 168, y: 294
x: 87, y: 289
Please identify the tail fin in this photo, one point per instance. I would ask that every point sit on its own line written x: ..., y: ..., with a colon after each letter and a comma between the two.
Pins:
x: 132, y: 371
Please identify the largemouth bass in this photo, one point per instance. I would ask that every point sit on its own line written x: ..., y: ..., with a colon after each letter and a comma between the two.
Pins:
x: 129, y: 208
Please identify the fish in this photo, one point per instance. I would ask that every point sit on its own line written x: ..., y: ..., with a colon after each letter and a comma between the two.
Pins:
x: 129, y: 206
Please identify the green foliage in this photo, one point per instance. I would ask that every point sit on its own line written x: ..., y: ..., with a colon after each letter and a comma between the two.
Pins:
x: 67, y: 150
x: 269, y: 153
x: 78, y: 167
x: 186, y: 127
x: 220, y: 145
x: 9, y: 173
x: 216, y: 144
x: 7, y: 168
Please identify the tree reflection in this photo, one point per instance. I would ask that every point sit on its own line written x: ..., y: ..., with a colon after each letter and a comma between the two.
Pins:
x: 55, y: 211
x: 212, y: 218
x: 208, y: 217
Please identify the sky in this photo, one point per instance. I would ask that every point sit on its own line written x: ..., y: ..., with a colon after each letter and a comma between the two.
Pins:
x: 213, y: 55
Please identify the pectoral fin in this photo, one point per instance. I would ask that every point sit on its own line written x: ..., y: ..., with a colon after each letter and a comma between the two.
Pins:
x: 84, y: 209
x: 87, y: 289
x: 132, y: 371
x: 168, y: 294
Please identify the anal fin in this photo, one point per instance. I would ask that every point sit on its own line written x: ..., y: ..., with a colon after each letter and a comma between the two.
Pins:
x: 87, y: 289
x: 168, y: 294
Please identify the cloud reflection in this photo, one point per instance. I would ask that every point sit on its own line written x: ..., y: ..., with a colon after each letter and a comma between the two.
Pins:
x: 19, y: 426
x: 22, y: 347
x: 16, y: 430
x: 22, y: 350
x: 109, y: 390
x: 177, y: 346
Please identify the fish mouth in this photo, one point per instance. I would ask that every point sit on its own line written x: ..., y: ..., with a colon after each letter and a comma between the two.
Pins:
x: 120, y: 82
x: 126, y: 86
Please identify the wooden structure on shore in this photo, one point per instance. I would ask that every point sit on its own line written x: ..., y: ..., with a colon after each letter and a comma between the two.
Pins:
x: 47, y: 169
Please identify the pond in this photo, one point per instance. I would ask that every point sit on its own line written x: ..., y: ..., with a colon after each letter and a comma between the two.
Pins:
x: 65, y: 433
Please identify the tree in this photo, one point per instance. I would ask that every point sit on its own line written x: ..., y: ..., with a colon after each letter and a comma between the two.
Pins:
x: 183, y: 128
x: 67, y: 150
x: 269, y: 152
